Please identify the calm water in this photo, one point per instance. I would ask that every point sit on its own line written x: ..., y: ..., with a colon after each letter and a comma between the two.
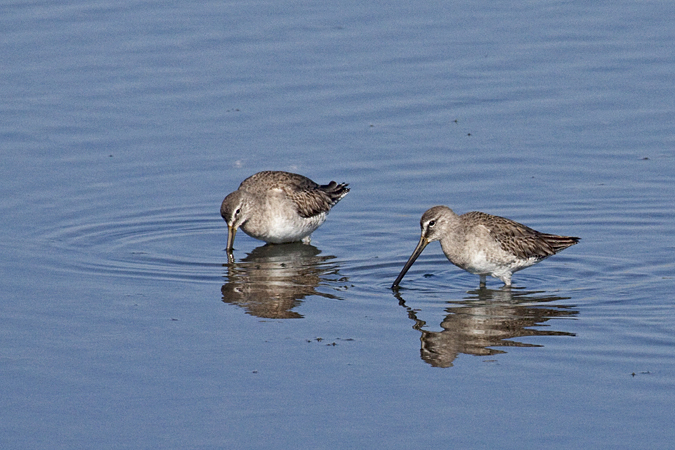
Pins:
x: 124, y: 124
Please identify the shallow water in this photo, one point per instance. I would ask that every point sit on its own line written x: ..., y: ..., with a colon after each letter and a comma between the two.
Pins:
x: 124, y: 124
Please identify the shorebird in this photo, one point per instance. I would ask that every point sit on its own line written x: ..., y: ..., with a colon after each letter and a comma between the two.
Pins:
x: 279, y: 207
x: 484, y: 244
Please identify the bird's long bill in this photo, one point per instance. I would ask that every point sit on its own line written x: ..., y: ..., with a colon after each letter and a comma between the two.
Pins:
x: 416, y: 253
x: 231, y: 232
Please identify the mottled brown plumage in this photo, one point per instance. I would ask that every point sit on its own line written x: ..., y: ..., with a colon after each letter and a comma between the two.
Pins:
x: 279, y: 207
x: 518, y: 239
x: 484, y: 244
x: 308, y: 197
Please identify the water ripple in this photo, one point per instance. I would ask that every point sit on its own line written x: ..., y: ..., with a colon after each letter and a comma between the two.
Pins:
x: 169, y: 243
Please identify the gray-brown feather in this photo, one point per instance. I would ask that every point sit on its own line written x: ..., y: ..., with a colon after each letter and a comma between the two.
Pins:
x: 310, y: 198
x: 521, y: 240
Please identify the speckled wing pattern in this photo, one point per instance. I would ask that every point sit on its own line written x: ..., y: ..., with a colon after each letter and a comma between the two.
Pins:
x: 521, y: 240
x: 310, y: 198
x: 318, y: 199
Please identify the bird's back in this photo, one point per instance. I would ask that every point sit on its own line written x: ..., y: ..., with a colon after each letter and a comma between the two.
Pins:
x: 309, y: 198
x: 518, y: 239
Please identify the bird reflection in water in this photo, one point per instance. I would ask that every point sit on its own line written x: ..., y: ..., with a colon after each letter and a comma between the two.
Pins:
x: 485, y: 319
x: 273, y: 279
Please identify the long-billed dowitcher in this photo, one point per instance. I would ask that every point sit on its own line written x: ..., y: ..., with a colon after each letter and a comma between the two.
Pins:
x: 484, y: 244
x: 279, y: 207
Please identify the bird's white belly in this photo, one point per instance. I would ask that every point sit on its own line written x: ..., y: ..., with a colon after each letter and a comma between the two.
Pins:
x: 281, y: 229
x: 483, y: 264
x: 479, y: 264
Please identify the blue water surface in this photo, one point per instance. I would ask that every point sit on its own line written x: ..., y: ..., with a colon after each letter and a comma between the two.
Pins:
x: 124, y: 124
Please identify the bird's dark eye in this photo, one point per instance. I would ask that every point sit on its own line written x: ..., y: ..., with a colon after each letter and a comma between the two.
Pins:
x: 432, y: 223
x: 236, y: 213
